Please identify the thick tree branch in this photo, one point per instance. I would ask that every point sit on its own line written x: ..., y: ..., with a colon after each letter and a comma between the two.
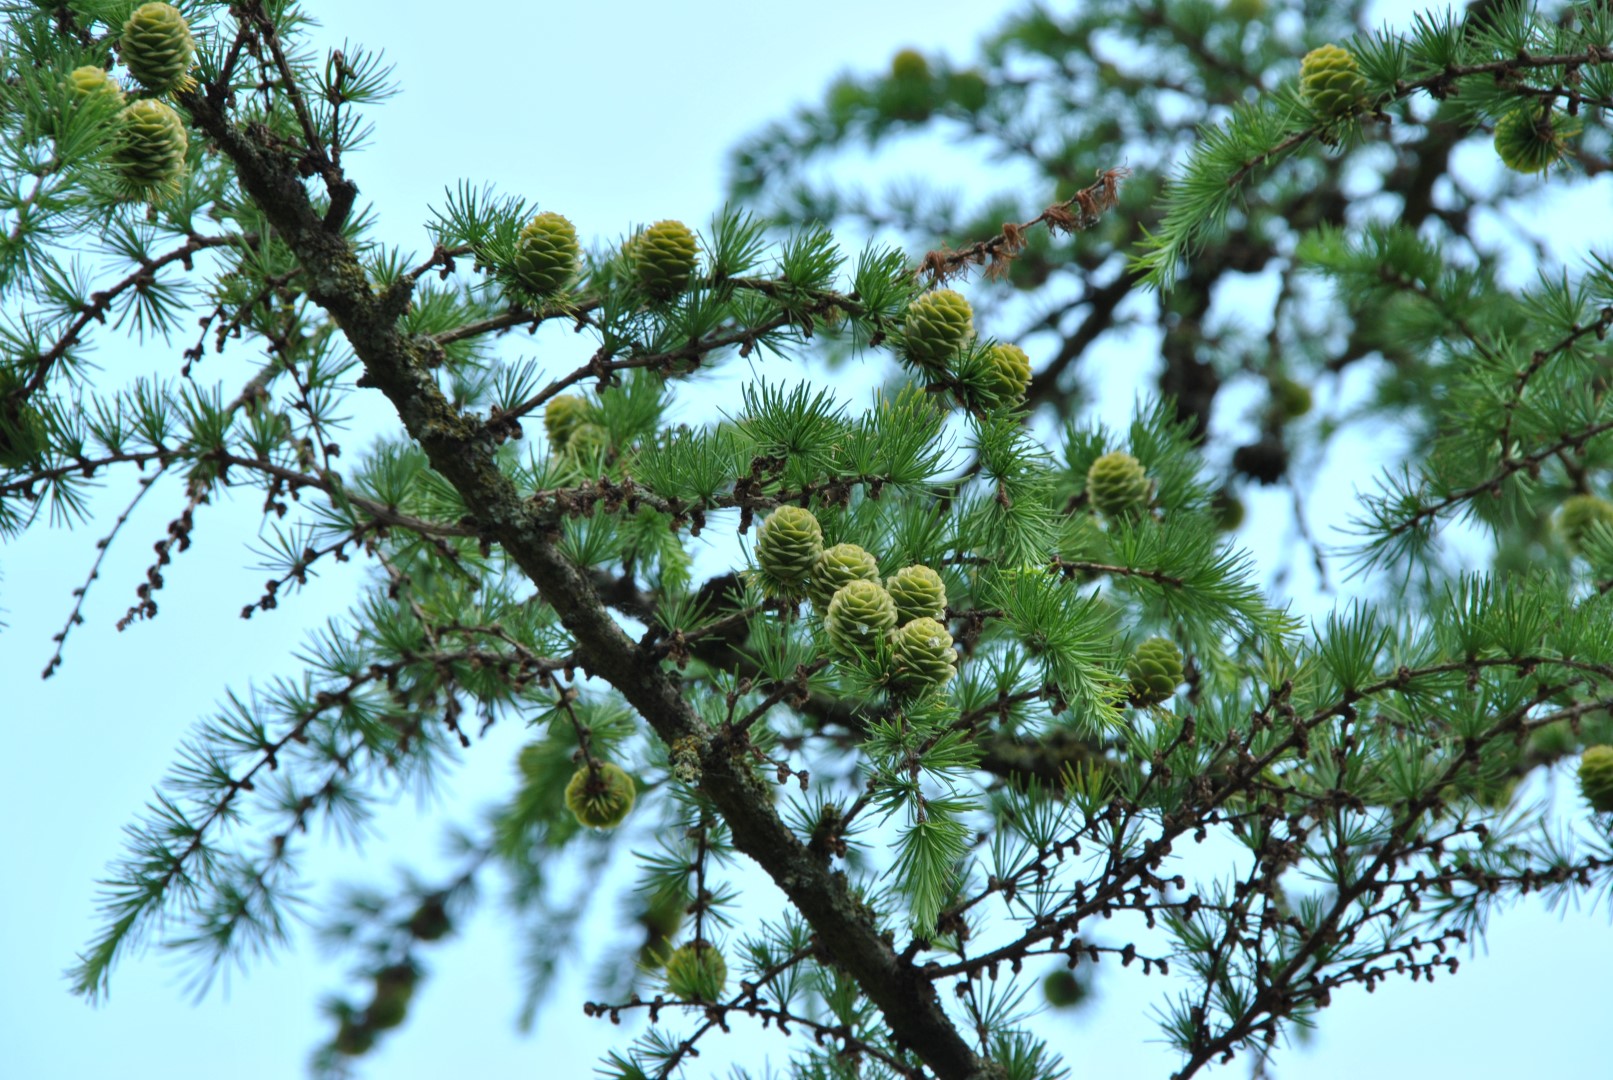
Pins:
x: 400, y: 367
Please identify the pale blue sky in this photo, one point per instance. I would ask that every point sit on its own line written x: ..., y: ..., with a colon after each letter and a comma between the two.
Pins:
x: 614, y: 114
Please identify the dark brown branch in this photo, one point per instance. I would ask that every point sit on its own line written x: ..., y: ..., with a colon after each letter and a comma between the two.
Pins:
x: 400, y: 367
x: 96, y: 309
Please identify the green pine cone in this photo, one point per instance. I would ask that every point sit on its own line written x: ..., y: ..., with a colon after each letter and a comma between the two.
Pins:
x: 546, y: 254
x: 563, y: 416
x: 430, y: 921
x: 353, y: 1039
x: 1227, y: 509
x: 968, y: 90
x: 1063, y: 990
x: 788, y: 544
x: 1596, y: 778
x: 1118, y: 486
x: 93, y: 83
x: 860, y: 613
x: 157, y: 48
x: 909, y: 94
x: 664, y: 258
x: 588, y: 443
x: 1155, y: 671
x: 149, y: 153
x: 938, y: 324
x: 696, y: 972
x: 924, y: 654
x: 394, y: 988
x: 1578, y: 515
x: 1007, y: 375
x: 1331, y: 82
x: 1553, y: 741
x: 600, y: 800
x: 1292, y: 398
x: 910, y: 64
x: 919, y: 593
x: 23, y: 437
x: 837, y: 566
x: 1528, y: 142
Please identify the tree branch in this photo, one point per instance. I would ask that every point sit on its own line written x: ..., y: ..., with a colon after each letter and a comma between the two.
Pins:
x: 400, y: 367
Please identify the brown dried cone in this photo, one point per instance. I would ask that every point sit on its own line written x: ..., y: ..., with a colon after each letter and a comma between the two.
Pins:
x: 918, y: 592
x: 1118, y: 486
x: 789, y: 543
x: 696, y: 972
x: 664, y: 257
x: 938, y: 325
x: 546, y: 254
x: 157, y: 48
x: 1331, y: 82
x: 1155, y: 671
x: 838, y: 566
x: 924, y: 656
x: 149, y: 152
x: 1596, y: 778
x: 860, y: 614
x: 600, y: 798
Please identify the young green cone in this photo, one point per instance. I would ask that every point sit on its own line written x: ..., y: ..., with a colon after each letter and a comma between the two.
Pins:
x: 838, y: 566
x: 1007, y: 375
x: 664, y: 258
x: 1331, y: 82
x: 968, y: 90
x: 1596, y: 778
x: 860, y: 613
x: 918, y: 592
x: 1580, y: 514
x: 1063, y: 990
x: 600, y: 799
x: 91, y: 82
x: 149, y: 152
x: 1155, y: 671
x: 1291, y: 397
x: 909, y: 94
x: 788, y: 544
x: 157, y: 48
x: 1528, y: 142
x: 546, y: 254
x: 924, y: 654
x: 910, y: 64
x: 588, y: 443
x: 1117, y: 486
x: 1227, y: 509
x: 23, y: 437
x: 938, y: 324
x: 563, y: 416
x: 696, y: 972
